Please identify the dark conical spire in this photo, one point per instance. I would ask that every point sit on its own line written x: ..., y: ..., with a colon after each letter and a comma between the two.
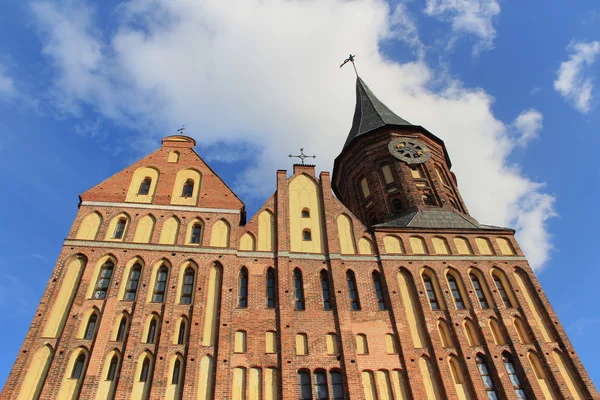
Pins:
x: 370, y: 113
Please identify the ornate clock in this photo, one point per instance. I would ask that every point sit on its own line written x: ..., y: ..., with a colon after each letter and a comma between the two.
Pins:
x: 409, y: 150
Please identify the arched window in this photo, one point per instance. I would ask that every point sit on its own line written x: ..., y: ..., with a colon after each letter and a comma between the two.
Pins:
x: 161, y: 285
x: 353, y: 291
x: 387, y: 174
x: 306, y: 236
x: 112, y: 368
x: 304, y: 389
x: 145, y: 369
x: 239, y: 343
x: 479, y: 291
x: 502, y: 291
x: 362, y: 346
x: 365, y: 188
x: 103, y: 281
x: 120, y: 228
x: 321, y: 385
x: 472, y: 337
x: 176, y: 369
x: 91, y: 327
x: 243, y: 288
x: 122, y: 330
x: 133, y: 283
x: 188, y: 188
x: 488, y: 383
x: 378, y: 290
x: 298, y: 290
x: 433, y: 301
x: 145, y: 186
x: 427, y: 199
x: 496, y: 331
x: 458, y: 300
x: 78, y: 367
x: 152, y: 331
x: 512, y: 375
x: 270, y: 288
x: 325, y: 290
x: 336, y: 385
x: 196, y: 233
x: 188, y: 286
x: 181, y: 334
x: 521, y: 331
x: 305, y: 213
x: 444, y: 332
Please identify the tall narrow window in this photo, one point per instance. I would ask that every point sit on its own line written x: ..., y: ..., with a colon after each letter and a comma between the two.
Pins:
x: 145, y: 186
x: 512, y: 375
x: 321, y: 391
x: 458, y: 300
x: 188, y: 286
x: 270, y: 288
x: 91, y: 327
x: 479, y: 291
x: 336, y: 385
x: 120, y: 228
x: 78, y: 367
x: 435, y: 305
x: 378, y: 290
x: 132, y: 284
x: 103, y: 281
x: 298, y: 290
x: 502, y: 292
x: 488, y: 383
x: 112, y: 368
x: 145, y: 369
x: 151, y: 331
x: 196, y: 233
x: 243, y: 288
x: 181, y: 334
x: 353, y: 291
x: 188, y: 188
x: 306, y: 235
x: 305, y: 213
x: 325, y: 290
x: 161, y: 285
x: 304, y: 389
x: 122, y: 330
x: 176, y: 369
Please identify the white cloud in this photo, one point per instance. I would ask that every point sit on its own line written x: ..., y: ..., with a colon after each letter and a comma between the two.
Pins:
x: 470, y: 17
x: 573, y: 81
x: 7, y: 84
x: 528, y: 125
x: 267, y: 74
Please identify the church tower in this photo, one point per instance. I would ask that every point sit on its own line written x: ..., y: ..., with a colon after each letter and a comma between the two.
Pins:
x: 387, y: 290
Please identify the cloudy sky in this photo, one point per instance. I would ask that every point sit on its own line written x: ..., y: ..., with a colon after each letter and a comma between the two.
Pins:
x: 86, y: 88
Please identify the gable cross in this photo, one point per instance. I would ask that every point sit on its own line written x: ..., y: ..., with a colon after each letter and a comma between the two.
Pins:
x: 302, y: 156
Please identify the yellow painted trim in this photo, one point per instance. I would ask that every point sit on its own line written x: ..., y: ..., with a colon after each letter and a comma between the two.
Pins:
x: 247, y: 242
x: 178, y: 323
x: 147, y: 323
x: 117, y: 323
x: 213, y: 303
x: 219, y: 234
x: 461, y: 287
x: 567, y: 376
x: 134, y: 187
x: 496, y: 331
x: 144, y: 229
x: 399, y: 385
x: 383, y: 385
x: 436, y: 286
x: 368, y: 383
x: 239, y: 384
x: 458, y: 378
x: 484, y: 246
x: 255, y: 392
x: 462, y: 246
x: 182, y: 176
x: 304, y: 193
x: 471, y: 333
x: 173, y: 157
x: 444, y: 332
x: 365, y: 246
x: 440, y: 245
x: 127, y: 272
x: 521, y: 331
x: 140, y: 389
x: 417, y: 245
x: 362, y: 346
x: 507, y: 286
x: 432, y: 389
x: 506, y: 247
x: 69, y: 388
x: 484, y: 286
x: 106, y: 388
x: 540, y: 376
x: 387, y: 174
x: 83, y: 322
x: 365, y: 187
x: 174, y: 390
x: 36, y: 373
x: 270, y: 342
x: 393, y: 245
x: 271, y: 386
x: 413, y: 315
x: 346, y: 234
x: 534, y: 307
x: 239, y: 345
x: 188, y: 236
x: 331, y: 344
x: 169, y: 231
x: 88, y: 229
x: 266, y: 231
x: 205, y: 387
x: 180, y: 283
x: 110, y: 231
x: 153, y: 275
x: 301, y: 344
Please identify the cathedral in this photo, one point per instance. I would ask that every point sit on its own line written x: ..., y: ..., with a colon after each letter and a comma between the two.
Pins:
x: 372, y: 283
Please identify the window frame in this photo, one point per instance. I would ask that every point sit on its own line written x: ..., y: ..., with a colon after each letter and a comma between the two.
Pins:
x: 243, y: 280
x: 188, y: 188
x: 108, y: 265
x: 299, y: 300
x: 379, y: 291
x: 145, y: 185
x: 137, y: 267
x: 119, y: 232
x: 479, y: 291
x: 431, y: 292
x: 325, y: 289
x: 78, y: 366
x: 160, y: 292
x: 457, y: 296
x: 90, y: 328
x: 186, y: 298
x: 353, y: 290
x: 270, y: 288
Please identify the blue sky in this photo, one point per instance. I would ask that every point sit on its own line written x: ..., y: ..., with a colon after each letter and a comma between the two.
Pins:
x: 87, y: 88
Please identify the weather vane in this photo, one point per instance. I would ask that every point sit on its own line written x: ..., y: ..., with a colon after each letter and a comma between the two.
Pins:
x: 181, y: 130
x: 350, y: 59
x: 302, y: 156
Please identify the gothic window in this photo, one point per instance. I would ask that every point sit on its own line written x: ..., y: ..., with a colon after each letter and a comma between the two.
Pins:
x: 512, y: 375
x: 132, y: 284
x: 78, y: 367
x: 103, y: 281
x: 304, y: 386
x: 188, y: 286
x: 120, y: 228
x: 161, y: 285
x: 91, y: 327
x: 188, y: 188
x: 298, y: 290
x: 378, y: 290
x: 112, y: 368
x: 458, y: 300
x: 270, y: 288
x: 122, y: 330
x: 325, y: 290
x: 415, y: 171
x: 305, y: 213
x: 502, y: 291
x: 145, y: 186
x: 306, y: 235
x: 145, y: 369
x: 336, y: 385
x: 365, y: 188
x: 479, y: 291
x: 196, y: 233
x: 152, y: 331
x: 433, y: 301
x: 353, y: 291
x: 243, y: 288
x: 387, y: 174
x: 488, y: 383
x: 176, y: 369
x: 321, y: 391
x: 181, y: 334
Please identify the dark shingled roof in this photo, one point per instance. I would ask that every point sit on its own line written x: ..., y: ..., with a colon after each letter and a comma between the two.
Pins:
x: 370, y: 113
x: 435, y: 219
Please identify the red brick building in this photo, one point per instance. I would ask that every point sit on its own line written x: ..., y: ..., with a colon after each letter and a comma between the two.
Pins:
x: 386, y: 290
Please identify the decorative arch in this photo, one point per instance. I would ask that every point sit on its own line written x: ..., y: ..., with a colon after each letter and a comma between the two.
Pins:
x: 444, y: 332
x: 533, y: 302
x: 36, y: 373
x: 522, y: 333
x: 88, y: 228
x: 121, y: 327
x: 365, y: 246
x: 175, y: 377
x: 568, y: 375
x: 247, y: 242
x: 266, y: 231
x: 151, y: 328
x: 205, y: 379
x: 484, y: 246
x: 383, y: 384
x: 143, y: 375
x: 102, y: 277
x: 169, y: 231
x: 417, y: 245
x: 412, y: 308
x: 458, y: 378
x: 368, y: 382
x: 481, y: 288
x: 158, y: 286
x: 74, y: 374
x: 440, y: 245
x: 180, y: 195
x: 362, y: 346
x: 180, y: 334
x: 393, y: 245
x: 505, y: 246
x: 239, y: 345
x: 117, y: 228
x: 346, y: 234
x: 304, y: 192
x: 143, y: 185
x: 110, y: 375
x: 89, y: 324
x: 391, y: 343
x: 195, y: 231
x: 301, y: 344
x: 462, y: 246
x: 504, y: 288
x: 219, y: 236
x: 457, y: 289
x: 173, y: 157
x: 132, y: 275
x: 432, y: 287
x: 430, y: 381
x: 541, y: 376
x: 213, y: 304
x: 471, y: 333
x: 188, y: 271
x: 496, y: 331
x: 144, y: 229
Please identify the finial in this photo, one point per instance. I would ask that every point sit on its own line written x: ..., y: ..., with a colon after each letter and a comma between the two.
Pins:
x: 302, y: 156
x: 350, y: 59
x: 181, y: 130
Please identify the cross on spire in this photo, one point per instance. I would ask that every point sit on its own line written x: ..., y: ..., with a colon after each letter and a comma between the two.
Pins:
x: 181, y: 130
x: 350, y: 59
x: 302, y: 156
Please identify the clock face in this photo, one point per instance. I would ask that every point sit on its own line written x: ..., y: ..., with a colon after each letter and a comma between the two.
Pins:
x: 409, y: 150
